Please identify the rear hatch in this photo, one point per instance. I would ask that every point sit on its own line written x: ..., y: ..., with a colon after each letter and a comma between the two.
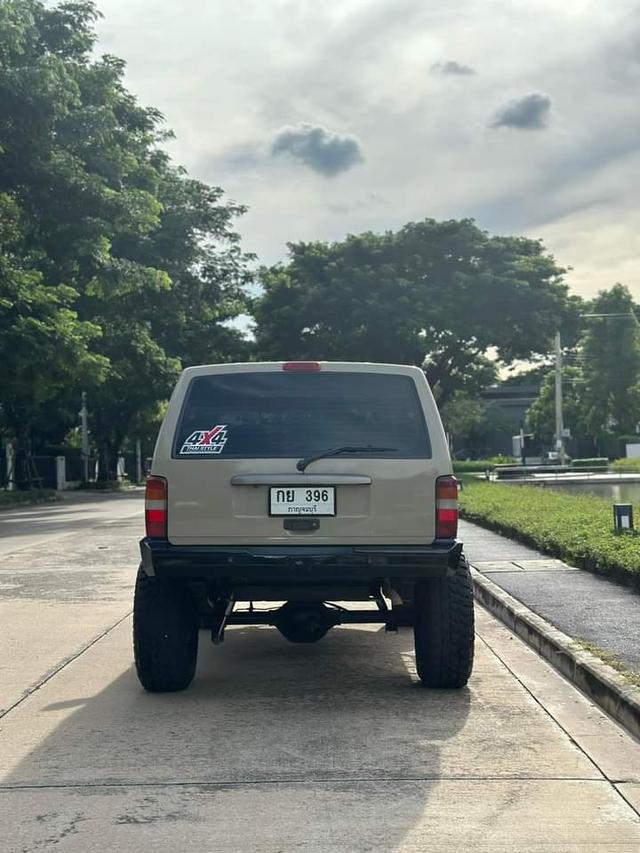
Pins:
x: 233, y: 457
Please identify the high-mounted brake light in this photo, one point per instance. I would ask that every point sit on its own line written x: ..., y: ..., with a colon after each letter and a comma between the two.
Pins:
x: 302, y: 366
x: 446, y: 507
x: 155, y: 508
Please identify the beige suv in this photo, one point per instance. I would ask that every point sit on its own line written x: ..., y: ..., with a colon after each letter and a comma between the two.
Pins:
x: 305, y: 483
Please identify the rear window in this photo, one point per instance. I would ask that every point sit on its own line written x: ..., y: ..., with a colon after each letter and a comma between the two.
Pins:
x: 268, y: 415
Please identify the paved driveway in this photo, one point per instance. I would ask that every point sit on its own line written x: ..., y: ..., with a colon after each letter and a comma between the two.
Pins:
x: 276, y: 747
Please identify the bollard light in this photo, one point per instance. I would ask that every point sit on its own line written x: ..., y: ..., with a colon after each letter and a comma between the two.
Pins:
x: 622, y: 517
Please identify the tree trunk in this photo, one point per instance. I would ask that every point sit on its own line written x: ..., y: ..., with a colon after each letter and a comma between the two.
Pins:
x: 106, y: 462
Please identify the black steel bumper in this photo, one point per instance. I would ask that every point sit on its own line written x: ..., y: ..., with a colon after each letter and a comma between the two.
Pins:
x: 301, y: 564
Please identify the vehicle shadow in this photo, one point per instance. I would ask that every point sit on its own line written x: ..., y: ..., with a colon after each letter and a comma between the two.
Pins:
x: 341, y: 728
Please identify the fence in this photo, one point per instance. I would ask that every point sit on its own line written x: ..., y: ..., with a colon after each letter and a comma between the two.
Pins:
x: 58, y: 471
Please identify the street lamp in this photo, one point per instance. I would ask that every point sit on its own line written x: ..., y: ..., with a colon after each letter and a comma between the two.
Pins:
x: 559, y: 421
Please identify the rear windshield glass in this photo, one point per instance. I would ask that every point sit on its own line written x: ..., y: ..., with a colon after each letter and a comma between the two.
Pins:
x: 267, y: 415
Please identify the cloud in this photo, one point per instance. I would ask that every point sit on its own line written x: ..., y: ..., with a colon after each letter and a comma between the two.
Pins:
x: 456, y: 69
x: 322, y: 150
x: 370, y: 200
x: 241, y: 157
x: 527, y: 113
x: 426, y: 155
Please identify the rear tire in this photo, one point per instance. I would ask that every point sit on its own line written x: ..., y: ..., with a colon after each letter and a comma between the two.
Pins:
x: 165, y: 634
x: 443, y: 631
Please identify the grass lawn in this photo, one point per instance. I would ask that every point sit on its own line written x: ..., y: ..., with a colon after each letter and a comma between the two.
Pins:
x: 575, y: 528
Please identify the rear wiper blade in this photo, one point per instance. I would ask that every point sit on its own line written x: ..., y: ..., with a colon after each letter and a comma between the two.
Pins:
x: 357, y: 448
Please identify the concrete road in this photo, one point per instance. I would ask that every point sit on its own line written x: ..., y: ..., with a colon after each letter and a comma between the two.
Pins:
x: 77, y: 511
x: 322, y: 748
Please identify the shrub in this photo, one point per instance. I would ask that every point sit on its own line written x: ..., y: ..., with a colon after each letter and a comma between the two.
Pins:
x: 32, y: 496
x: 632, y: 465
x: 477, y: 465
x: 575, y: 528
x: 470, y: 466
x: 594, y: 462
x: 503, y: 460
x: 103, y: 485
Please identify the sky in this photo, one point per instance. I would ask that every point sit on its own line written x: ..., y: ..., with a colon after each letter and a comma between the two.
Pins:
x: 330, y: 117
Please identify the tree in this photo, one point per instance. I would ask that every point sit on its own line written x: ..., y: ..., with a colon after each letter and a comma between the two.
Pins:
x: 601, y: 380
x: 43, y: 344
x: 142, y: 257
x: 541, y: 416
x: 437, y: 294
x: 610, y: 354
x: 460, y: 414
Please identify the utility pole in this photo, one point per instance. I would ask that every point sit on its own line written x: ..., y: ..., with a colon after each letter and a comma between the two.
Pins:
x: 559, y: 420
x: 84, y: 418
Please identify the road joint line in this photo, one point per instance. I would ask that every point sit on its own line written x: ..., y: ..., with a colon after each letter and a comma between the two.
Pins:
x: 625, y: 798
x: 544, y: 708
x: 65, y: 662
x: 595, y: 679
x: 613, y: 783
x: 297, y: 781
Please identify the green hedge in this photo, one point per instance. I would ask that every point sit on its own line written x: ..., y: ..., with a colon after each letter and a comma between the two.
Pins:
x: 471, y: 467
x: 474, y: 465
x: 632, y: 466
x: 594, y: 462
x: 574, y: 528
x: 35, y: 496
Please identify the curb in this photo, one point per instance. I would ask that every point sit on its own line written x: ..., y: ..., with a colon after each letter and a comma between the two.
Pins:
x: 600, y: 682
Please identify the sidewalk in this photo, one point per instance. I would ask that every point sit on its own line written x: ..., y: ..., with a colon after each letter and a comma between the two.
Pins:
x: 586, y: 607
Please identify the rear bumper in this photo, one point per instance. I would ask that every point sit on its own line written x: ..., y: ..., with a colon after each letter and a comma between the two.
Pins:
x: 302, y: 564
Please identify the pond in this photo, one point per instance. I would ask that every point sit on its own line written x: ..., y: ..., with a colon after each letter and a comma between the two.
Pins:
x: 615, y: 492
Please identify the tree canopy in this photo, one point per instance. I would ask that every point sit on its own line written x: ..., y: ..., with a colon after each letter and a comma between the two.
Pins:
x: 601, y: 379
x: 610, y: 363
x: 437, y: 294
x: 116, y: 268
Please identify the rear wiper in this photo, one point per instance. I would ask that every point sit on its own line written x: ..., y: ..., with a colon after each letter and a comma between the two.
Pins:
x: 358, y: 448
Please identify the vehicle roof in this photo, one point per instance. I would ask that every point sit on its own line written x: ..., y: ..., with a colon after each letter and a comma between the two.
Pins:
x: 272, y: 366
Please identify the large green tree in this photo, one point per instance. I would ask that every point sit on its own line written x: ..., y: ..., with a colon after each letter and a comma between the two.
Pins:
x: 541, y: 417
x: 141, y: 258
x: 601, y: 378
x: 444, y: 295
x: 44, y: 347
x: 610, y: 358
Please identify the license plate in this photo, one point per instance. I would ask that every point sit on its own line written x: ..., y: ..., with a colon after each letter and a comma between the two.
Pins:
x: 302, y: 500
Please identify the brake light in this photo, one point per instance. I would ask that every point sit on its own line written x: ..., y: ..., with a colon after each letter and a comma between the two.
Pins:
x: 446, y: 507
x: 302, y: 366
x: 155, y: 508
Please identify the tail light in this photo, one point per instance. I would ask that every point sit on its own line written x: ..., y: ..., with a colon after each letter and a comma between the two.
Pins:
x: 446, y: 508
x: 155, y: 508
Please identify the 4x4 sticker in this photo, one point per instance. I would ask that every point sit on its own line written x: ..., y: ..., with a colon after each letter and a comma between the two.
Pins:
x: 205, y: 441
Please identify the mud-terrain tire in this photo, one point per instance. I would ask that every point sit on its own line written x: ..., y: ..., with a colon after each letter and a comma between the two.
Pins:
x: 443, y: 631
x: 165, y: 634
